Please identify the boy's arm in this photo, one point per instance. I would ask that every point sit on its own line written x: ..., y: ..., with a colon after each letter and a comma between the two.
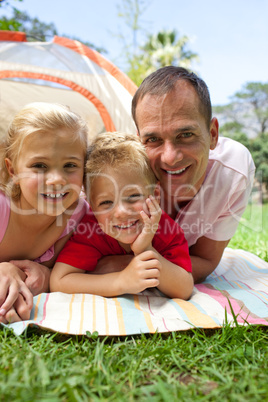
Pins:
x: 174, y: 281
x: 141, y: 273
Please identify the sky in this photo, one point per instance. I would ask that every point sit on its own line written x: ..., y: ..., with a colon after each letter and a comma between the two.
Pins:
x: 230, y: 36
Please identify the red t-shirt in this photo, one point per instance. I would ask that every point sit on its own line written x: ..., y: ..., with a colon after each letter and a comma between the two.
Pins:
x: 89, y: 243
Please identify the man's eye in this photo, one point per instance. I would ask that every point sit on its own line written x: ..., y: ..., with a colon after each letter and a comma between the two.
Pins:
x: 151, y: 140
x: 186, y: 135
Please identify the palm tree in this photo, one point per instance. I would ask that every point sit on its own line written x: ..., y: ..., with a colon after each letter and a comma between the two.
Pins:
x: 162, y: 49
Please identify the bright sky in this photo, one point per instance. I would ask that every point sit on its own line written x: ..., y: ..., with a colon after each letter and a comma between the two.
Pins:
x: 230, y: 36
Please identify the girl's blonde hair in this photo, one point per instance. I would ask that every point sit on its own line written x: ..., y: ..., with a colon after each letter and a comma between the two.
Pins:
x: 38, y: 117
x: 119, y: 151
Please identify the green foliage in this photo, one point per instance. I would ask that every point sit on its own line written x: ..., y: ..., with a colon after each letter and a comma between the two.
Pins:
x: 252, y: 232
x: 161, y: 49
x: 249, y: 107
x: 9, y: 24
x: 255, y: 94
x: 35, y: 29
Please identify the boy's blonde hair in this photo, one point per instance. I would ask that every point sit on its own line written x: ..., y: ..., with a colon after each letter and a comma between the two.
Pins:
x: 37, y: 117
x: 119, y: 151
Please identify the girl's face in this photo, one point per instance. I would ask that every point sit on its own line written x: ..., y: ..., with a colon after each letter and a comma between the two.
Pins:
x: 49, y: 172
x: 117, y: 197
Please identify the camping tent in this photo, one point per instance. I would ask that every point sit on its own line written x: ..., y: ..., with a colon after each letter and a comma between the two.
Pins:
x: 67, y: 72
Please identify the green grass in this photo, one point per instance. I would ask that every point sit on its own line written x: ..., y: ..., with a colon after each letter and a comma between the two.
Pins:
x: 229, y: 364
x: 252, y: 232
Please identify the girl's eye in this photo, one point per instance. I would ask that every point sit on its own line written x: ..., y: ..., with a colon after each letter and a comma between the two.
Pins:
x: 70, y: 165
x: 39, y: 165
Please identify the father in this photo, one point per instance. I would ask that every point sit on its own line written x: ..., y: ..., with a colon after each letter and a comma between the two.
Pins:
x: 206, y: 180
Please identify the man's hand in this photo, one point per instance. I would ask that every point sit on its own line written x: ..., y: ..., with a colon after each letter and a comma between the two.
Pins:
x: 37, y: 275
x: 143, y: 272
x: 11, y: 286
x: 144, y: 240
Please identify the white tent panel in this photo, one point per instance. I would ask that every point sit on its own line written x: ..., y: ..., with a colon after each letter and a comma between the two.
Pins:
x: 65, y: 72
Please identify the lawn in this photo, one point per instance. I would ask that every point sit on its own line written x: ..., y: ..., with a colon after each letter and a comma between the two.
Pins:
x: 230, y: 364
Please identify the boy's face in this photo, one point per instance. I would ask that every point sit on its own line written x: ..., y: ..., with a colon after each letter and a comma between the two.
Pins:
x: 116, y: 198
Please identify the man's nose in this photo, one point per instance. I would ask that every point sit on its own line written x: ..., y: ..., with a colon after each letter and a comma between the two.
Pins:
x: 171, y: 154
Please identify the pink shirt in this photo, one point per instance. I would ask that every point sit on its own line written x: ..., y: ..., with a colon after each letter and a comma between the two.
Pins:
x: 79, y: 212
x: 216, y: 209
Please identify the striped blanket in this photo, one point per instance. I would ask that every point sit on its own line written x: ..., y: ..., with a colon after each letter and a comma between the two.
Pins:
x: 236, y: 292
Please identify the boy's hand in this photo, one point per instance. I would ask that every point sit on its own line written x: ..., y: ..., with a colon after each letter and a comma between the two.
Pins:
x: 144, y: 240
x: 143, y: 272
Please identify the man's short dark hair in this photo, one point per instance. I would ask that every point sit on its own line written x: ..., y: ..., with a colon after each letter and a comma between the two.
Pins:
x: 163, y: 81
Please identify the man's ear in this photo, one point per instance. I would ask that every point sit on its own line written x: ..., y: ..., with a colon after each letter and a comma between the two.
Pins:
x: 10, y: 167
x: 214, y: 133
x: 157, y: 192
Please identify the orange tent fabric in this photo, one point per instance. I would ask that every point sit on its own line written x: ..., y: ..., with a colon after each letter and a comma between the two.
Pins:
x: 64, y: 71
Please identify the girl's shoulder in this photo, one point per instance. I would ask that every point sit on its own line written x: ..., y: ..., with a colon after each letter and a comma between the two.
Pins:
x: 4, y: 213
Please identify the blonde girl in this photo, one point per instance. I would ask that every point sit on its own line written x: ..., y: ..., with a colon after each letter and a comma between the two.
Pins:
x: 42, y: 171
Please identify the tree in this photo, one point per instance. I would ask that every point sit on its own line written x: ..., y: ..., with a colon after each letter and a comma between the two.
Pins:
x: 35, y: 29
x: 8, y: 24
x: 167, y: 48
x: 163, y: 49
x: 254, y: 95
x: 234, y: 130
x: 131, y: 12
x: 249, y: 108
x: 159, y: 50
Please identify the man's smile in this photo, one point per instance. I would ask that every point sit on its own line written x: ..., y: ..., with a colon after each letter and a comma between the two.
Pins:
x: 175, y: 172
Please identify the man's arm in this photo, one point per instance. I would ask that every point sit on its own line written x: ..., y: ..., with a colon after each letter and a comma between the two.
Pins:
x: 205, y: 256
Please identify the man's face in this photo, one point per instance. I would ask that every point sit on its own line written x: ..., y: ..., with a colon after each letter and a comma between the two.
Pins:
x: 177, y: 140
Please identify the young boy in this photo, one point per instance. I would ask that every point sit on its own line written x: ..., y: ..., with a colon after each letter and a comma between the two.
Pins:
x: 125, y: 218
